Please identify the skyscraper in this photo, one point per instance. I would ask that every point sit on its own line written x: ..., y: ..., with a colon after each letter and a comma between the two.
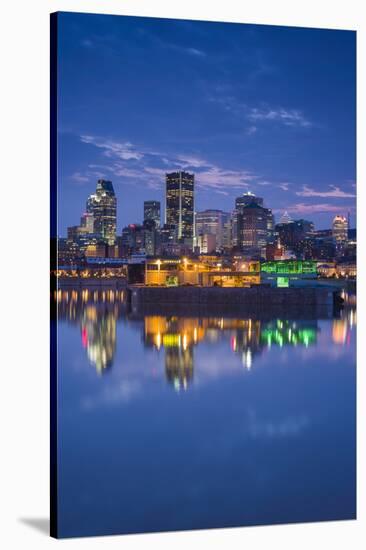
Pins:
x: 152, y: 212
x: 340, y: 230
x: 214, y: 222
x: 248, y: 198
x: 252, y: 228
x: 294, y: 235
x: 87, y: 222
x: 252, y: 223
x: 179, y: 206
x: 103, y: 206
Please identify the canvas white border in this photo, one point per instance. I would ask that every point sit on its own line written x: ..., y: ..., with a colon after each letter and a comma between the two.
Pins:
x: 24, y: 273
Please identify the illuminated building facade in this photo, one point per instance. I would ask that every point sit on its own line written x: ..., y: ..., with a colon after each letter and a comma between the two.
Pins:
x: 247, y: 199
x: 293, y: 234
x: 183, y: 271
x: 340, y: 230
x: 214, y: 222
x: 87, y: 222
x: 179, y: 205
x: 206, y: 243
x: 103, y: 206
x: 152, y: 212
x: 252, y: 224
x: 150, y: 237
x: 252, y: 228
x: 288, y: 272
x: 132, y: 240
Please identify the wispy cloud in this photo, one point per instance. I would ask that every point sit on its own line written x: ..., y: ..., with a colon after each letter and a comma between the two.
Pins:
x: 335, y: 192
x: 142, y: 167
x: 157, y: 40
x: 251, y: 130
x: 284, y: 186
x: 124, y: 150
x: 196, y: 52
x: 79, y: 178
x: 264, y: 182
x: 146, y: 167
x: 305, y: 209
x: 255, y: 115
x: 195, y: 162
x: 288, y: 117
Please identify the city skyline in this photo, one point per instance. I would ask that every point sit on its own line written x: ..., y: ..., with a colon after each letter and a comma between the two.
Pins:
x: 245, y: 112
x: 156, y: 210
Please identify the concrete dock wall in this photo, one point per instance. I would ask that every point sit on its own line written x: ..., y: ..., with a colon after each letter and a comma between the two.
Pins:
x: 91, y: 282
x: 261, y: 297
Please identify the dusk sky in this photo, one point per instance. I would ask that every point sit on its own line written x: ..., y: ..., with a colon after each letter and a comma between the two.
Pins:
x: 256, y: 108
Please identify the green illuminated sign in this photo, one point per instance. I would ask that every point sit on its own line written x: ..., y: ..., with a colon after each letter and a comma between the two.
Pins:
x: 282, y: 282
x: 289, y: 267
x: 171, y: 280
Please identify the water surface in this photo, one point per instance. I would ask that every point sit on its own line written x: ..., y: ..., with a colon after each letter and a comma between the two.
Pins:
x: 171, y: 422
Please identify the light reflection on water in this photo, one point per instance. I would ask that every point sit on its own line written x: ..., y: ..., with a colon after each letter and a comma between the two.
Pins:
x: 281, y: 391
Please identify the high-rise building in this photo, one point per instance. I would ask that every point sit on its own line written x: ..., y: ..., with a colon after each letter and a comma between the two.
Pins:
x: 132, y: 241
x: 226, y: 243
x: 285, y: 218
x: 103, y: 206
x: 252, y: 224
x: 179, y: 206
x: 152, y: 212
x: 246, y: 199
x: 206, y: 243
x: 340, y: 230
x: 291, y: 234
x: 150, y: 236
x: 214, y: 222
x: 252, y: 228
x: 87, y: 222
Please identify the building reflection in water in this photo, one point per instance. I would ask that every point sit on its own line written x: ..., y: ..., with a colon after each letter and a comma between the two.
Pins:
x: 247, y: 337
x: 96, y: 312
x: 178, y: 336
x: 342, y: 327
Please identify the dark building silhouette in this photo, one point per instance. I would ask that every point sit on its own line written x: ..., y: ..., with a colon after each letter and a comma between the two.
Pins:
x: 152, y: 212
x: 252, y: 224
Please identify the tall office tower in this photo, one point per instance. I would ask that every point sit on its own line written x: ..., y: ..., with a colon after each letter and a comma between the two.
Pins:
x: 340, y: 230
x: 252, y: 224
x: 152, y: 212
x: 270, y: 226
x: 132, y: 241
x: 246, y: 199
x: 252, y: 228
x: 150, y: 236
x: 226, y: 243
x: 103, y: 206
x: 179, y: 205
x: 294, y: 234
x: 87, y: 222
x: 213, y: 222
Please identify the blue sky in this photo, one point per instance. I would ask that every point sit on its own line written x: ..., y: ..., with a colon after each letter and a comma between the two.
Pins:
x: 256, y: 108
